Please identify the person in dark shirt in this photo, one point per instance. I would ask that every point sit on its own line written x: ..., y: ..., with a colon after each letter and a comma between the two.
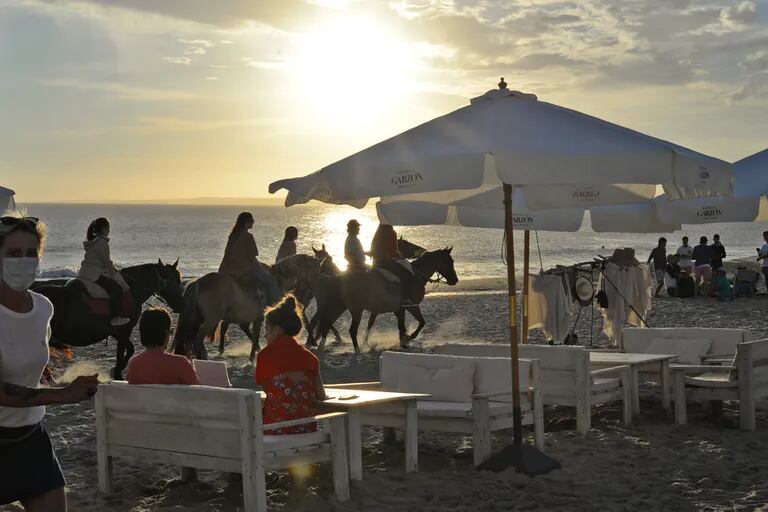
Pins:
x: 659, y: 257
x: 718, y: 253
x: 702, y: 261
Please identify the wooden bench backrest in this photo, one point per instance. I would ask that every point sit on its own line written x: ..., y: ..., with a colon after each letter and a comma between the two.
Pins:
x: 192, y: 420
x: 724, y: 341
x: 564, y: 370
x: 752, y: 361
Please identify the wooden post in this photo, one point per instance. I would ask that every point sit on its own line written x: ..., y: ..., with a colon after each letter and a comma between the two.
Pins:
x: 526, y: 273
x: 509, y: 231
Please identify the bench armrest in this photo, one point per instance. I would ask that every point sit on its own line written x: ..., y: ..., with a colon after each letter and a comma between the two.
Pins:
x: 703, y: 368
x: 608, y: 371
x: 372, y: 385
x: 303, y: 421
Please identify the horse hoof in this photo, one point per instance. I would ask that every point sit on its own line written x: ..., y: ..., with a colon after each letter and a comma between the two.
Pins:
x: 116, y: 375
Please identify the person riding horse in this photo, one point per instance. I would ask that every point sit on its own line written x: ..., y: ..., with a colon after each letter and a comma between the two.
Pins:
x: 240, y: 259
x: 97, y: 268
x: 353, y: 249
x: 386, y: 255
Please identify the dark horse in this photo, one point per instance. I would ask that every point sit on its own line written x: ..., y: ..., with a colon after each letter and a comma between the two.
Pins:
x: 74, y: 324
x: 358, y: 291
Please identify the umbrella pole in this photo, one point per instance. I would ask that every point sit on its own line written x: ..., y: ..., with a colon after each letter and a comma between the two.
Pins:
x: 526, y: 274
x: 525, y: 459
x: 509, y: 231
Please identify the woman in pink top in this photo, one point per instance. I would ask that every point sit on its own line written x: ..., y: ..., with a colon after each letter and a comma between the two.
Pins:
x: 155, y: 365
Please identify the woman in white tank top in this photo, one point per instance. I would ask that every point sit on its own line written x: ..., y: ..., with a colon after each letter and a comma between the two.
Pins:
x: 31, y: 472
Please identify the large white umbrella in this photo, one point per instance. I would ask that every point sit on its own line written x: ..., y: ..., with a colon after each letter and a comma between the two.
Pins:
x: 7, y: 202
x: 524, y: 142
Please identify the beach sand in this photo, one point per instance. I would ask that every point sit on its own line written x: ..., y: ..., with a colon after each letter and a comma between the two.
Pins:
x: 652, y: 465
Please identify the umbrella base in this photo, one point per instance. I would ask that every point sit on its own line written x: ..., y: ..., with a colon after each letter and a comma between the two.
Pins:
x: 525, y: 459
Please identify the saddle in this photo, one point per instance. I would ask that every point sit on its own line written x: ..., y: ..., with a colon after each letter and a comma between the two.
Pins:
x: 409, y: 294
x: 251, y: 287
x: 97, y: 299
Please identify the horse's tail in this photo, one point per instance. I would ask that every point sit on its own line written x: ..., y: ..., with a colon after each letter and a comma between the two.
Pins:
x: 190, y: 320
x: 215, y: 334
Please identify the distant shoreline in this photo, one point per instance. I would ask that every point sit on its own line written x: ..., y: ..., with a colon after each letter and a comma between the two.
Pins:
x: 195, y: 201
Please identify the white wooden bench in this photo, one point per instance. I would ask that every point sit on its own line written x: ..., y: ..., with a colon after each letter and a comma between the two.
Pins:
x: 744, y: 381
x: 566, y: 377
x: 210, y: 428
x: 693, y: 345
x: 469, y: 395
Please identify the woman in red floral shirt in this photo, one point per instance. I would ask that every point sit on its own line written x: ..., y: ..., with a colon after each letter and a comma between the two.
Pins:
x: 287, y: 372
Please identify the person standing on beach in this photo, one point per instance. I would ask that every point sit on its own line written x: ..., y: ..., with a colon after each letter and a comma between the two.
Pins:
x: 764, y: 259
x: 659, y: 257
x: 685, y: 252
x: 97, y: 267
x: 288, y: 247
x: 353, y: 249
x: 702, y: 256
x: 240, y: 258
x: 718, y: 253
x: 30, y: 470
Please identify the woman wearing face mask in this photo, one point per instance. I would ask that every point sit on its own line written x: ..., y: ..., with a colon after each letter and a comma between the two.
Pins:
x: 240, y: 258
x: 97, y: 267
x: 30, y: 470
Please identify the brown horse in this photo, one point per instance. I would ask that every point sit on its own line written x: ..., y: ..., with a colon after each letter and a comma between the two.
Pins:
x: 216, y: 298
x: 359, y: 291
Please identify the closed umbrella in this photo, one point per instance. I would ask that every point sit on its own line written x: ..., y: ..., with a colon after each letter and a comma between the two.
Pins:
x: 523, y: 141
x: 7, y: 202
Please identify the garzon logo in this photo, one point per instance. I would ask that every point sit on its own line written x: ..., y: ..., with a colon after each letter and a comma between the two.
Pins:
x: 586, y: 194
x: 709, y: 213
x: 406, y: 179
x: 522, y: 220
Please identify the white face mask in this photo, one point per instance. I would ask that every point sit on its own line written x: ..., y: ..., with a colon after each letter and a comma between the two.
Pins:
x: 19, y: 273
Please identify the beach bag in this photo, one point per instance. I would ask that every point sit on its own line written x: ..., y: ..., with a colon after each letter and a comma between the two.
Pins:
x: 743, y: 289
x: 685, y: 287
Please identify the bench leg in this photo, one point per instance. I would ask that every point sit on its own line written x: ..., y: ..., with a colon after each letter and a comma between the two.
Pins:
x: 389, y: 435
x: 747, y: 415
x: 635, y: 391
x: 411, y: 437
x: 355, y: 444
x: 340, y: 459
x: 538, y: 422
x: 105, y: 472
x: 103, y: 460
x: 627, y: 382
x: 681, y: 414
x: 665, y: 386
x: 481, y: 438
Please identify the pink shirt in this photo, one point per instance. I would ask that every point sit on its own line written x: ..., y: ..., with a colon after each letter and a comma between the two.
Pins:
x: 158, y: 367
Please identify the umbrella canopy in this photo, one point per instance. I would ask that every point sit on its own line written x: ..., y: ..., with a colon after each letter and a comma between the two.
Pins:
x: 523, y: 141
x: 7, y: 202
x: 748, y: 203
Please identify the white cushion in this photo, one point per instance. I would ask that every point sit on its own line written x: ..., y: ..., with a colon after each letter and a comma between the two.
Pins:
x: 446, y: 378
x: 688, y: 350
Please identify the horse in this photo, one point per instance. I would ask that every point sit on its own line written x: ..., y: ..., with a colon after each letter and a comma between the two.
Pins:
x: 75, y: 323
x: 359, y: 291
x: 216, y: 298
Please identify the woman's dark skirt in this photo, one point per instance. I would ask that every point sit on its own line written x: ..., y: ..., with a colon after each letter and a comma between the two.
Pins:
x: 29, y: 464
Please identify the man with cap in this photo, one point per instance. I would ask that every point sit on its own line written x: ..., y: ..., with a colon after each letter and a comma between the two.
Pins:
x: 353, y: 249
x: 702, y: 260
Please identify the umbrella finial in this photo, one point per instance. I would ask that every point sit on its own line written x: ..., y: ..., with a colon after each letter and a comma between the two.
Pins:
x: 502, y: 84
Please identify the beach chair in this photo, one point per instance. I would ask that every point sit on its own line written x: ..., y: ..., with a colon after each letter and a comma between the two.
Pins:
x: 212, y: 373
x: 566, y: 377
x: 745, y: 282
x: 210, y: 428
x: 744, y: 381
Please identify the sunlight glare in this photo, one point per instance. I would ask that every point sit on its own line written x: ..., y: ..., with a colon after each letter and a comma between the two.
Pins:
x: 335, y: 223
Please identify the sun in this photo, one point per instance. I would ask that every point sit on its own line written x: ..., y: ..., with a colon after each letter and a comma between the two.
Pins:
x: 354, y: 66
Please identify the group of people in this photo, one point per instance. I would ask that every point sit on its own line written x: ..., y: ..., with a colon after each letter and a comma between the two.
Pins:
x: 287, y: 372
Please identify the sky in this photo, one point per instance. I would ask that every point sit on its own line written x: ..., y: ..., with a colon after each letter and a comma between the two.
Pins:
x: 147, y: 99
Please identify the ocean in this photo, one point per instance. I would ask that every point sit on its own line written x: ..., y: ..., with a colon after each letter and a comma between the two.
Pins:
x: 197, y: 236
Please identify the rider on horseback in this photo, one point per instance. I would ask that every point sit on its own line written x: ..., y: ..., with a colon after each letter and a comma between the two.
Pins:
x: 97, y: 267
x: 386, y: 255
x: 353, y: 249
x: 240, y: 259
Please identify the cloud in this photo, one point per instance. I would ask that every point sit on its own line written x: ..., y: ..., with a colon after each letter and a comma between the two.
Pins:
x: 197, y: 42
x: 195, y: 51
x: 184, y: 61
x: 739, y: 14
x: 757, y: 61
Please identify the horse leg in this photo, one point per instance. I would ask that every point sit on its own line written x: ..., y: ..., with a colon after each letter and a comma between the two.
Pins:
x: 198, y: 344
x: 415, y: 311
x: 311, y: 327
x: 371, y: 319
x: 357, y: 316
x: 310, y: 335
x: 255, y: 338
x: 336, y: 334
x: 400, y: 314
x: 124, y: 353
x: 222, y: 335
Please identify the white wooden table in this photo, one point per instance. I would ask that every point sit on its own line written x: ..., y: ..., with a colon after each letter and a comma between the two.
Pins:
x: 635, y: 361
x: 353, y: 401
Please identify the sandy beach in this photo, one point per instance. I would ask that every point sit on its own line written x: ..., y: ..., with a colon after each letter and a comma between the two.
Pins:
x: 652, y: 465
